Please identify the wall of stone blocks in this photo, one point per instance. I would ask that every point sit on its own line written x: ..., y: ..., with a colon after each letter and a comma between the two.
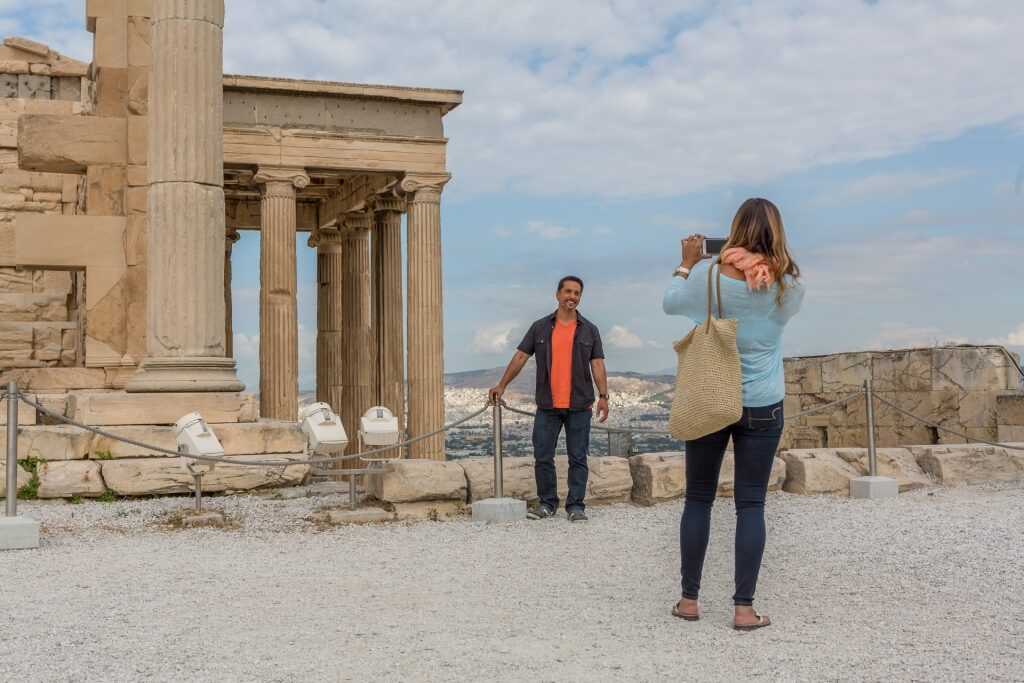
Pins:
x: 39, y: 309
x: 957, y: 387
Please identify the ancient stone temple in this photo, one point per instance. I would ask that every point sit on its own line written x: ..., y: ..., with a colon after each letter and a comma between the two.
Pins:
x: 124, y: 184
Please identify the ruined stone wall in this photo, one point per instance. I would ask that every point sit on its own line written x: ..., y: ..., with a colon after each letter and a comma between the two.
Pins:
x: 39, y: 309
x: 959, y: 387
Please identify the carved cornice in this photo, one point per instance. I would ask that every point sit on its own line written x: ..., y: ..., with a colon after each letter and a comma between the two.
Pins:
x: 276, y: 181
x: 424, y: 187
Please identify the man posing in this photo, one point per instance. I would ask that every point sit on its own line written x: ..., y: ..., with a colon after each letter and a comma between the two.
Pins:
x: 568, y: 348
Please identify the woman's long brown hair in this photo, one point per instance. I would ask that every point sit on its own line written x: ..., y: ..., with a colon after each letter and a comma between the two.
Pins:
x: 758, y: 228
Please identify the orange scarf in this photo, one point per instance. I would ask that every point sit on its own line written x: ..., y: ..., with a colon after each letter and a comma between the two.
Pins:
x: 757, y: 268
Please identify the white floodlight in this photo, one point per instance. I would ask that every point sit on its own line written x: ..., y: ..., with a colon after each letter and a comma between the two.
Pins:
x: 323, y: 429
x: 378, y: 427
x: 195, y: 437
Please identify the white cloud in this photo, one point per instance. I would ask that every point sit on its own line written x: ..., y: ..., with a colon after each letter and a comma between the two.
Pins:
x: 246, y: 346
x: 546, y: 231
x: 1013, y: 338
x: 619, y: 337
x: 892, y: 185
x: 898, y: 335
x: 492, y: 338
x: 614, y: 99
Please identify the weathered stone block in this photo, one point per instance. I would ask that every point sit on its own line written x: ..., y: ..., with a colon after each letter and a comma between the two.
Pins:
x: 978, y: 408
x: 66, y: 88
x: 105, y: 190
x: 845, y: 373
x: 902, y: 435
x: 57, y: 378
x: 111, y: 90
x: 155, y: 476
x: 50, y: 442
x: 897, y: 463
x: 1010, y: 434
x: 953, y: 465
x: 138, y: 90
x: 409, y: 481
x: 609, y: 480
x: 138, y: 127
x: 33, y: 87
x: 817, y: 471
x: 110, y: 42
x: 658, y: 477
x: 972, y: 369
x: 26, y: 415
x: 30, y: 46
x: 64, y: 479
x: 517, y: 477
x: 138, y: 41
x: 726, y: 477
x: 120, y: 408
x: 23, y: 476
x: 9, y: 85
x: 69, y: 144
x: 803, y: 375
x: 1010, y: 408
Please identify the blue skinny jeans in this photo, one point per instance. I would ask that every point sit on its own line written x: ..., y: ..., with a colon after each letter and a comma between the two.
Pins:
x: 755, y: 438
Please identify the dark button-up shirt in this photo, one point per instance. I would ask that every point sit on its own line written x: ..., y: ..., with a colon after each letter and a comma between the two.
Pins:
x: 586, y: 346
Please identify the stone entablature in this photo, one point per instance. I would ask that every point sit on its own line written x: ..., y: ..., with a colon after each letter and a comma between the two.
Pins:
x: 957, y: 387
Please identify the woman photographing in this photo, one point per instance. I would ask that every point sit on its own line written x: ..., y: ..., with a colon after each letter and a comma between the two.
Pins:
x: 759, y: 288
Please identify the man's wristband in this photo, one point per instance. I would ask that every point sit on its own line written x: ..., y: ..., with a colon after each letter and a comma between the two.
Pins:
x: 604, y: 396
x: 682, y: 270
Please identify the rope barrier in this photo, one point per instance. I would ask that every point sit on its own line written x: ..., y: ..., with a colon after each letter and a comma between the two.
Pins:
x: 258, y: 463
x: 929, y: 423
x: 632, y: 430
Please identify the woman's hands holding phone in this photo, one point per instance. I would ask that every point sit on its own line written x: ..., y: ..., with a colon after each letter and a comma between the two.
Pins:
x: 693, y: 251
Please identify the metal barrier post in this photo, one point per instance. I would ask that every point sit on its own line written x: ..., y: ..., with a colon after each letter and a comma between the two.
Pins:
x: 199, y: 491
x: 12, y: 449
x: 499, y: 484
x: 872, y: 486
x: 869, y: 398
x: 16, y: 533
x: 498, y: 508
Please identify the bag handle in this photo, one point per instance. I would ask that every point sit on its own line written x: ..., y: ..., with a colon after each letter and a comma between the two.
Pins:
x: 711, y: 268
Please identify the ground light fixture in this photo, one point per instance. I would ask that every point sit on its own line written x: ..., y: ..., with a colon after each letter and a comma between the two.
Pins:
x: 323, y: 429
x: 195, y: 437
x: 378, y: 427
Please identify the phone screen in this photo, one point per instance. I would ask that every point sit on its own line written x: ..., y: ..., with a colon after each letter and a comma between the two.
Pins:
x: 713, y: 245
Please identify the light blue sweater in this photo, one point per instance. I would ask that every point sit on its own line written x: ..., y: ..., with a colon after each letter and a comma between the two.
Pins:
x: 758, y: 332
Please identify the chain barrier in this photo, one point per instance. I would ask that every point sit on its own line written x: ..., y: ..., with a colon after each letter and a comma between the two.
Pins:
x: 256, y: 463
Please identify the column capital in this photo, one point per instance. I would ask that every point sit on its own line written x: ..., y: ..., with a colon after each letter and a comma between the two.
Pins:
x: 280, y: 181
x: 389, y: 200
x: 355, y: 220
x: 230, y: 237
x: 424, y: 186
x: 324, y: 236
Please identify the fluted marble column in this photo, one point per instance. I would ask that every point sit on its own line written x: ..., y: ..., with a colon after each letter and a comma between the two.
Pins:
x: 357, y: 344
x: 279, y: 325
x: 184, y: 285
x: 387, y: 304
x: 329, y: 326
x: 425, y: 320
x: 230, y: 238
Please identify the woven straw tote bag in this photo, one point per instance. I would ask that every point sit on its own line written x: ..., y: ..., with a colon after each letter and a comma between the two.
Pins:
x: 709, y: 393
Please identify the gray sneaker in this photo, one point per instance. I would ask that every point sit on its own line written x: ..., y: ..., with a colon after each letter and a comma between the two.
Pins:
x: 577, y: 515
x: 540, y: 512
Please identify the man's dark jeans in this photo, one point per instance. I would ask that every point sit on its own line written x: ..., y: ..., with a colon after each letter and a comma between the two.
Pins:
x: 546, y: 427
x: 755, y: 437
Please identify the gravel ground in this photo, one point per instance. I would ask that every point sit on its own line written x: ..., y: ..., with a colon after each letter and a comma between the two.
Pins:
x: 925, y: 587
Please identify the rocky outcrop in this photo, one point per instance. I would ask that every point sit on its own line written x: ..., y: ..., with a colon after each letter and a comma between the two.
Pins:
x: 408, y: 481
x: 156, y: 476
x: 68, y: 478
x: 971, y: 464
x: 657, y: 477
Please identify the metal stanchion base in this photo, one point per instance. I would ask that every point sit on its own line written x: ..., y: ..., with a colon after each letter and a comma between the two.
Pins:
x: 874, y: 487
x: 18, y: 533
x: 499, y: 510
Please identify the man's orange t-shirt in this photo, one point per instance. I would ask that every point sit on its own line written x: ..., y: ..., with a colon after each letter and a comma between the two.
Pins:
x: 561, y: 363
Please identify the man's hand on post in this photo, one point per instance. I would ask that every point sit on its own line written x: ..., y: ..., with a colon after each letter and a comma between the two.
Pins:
x: 494, y: 394
x: 602, y: 410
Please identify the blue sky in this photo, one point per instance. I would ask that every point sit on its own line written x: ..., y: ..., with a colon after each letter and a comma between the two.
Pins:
x: 595, y: 134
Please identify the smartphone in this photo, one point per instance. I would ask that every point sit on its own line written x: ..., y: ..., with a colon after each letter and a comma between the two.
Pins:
x: 713, y: 245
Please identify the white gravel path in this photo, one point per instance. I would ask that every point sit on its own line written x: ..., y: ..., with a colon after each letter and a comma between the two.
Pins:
x: 926, y: 587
